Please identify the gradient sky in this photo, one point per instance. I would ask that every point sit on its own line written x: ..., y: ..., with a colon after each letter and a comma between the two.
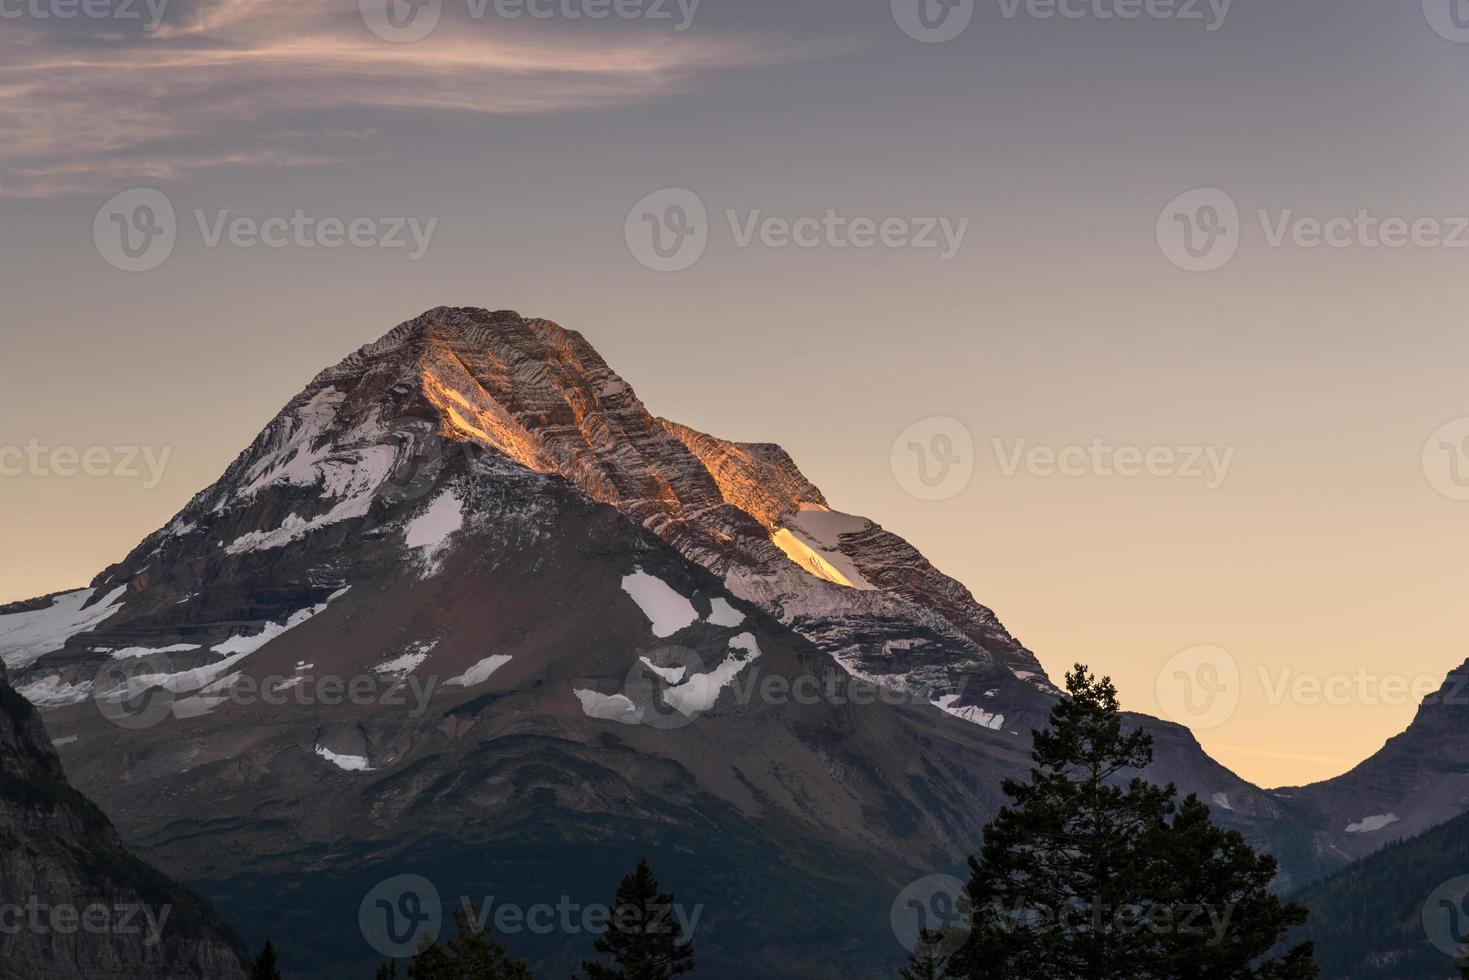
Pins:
x: 1326, y: 553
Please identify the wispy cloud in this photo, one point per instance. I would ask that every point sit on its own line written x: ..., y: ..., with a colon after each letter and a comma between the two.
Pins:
x: 227, y: 83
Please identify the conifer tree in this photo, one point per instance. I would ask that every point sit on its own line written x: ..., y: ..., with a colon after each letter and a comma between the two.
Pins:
x: 927, y: 961
x: 644, y: 938
x: 1092, y: 873
x: 471, y: 955
x: 265, y: 967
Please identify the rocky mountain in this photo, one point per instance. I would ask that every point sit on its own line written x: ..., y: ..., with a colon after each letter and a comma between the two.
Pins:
x: 1417, y: 781
x: 466, y: 611
x: 73, y: 901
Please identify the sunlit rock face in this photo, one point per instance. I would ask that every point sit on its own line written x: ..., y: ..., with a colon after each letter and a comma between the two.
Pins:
x: 542, y: 396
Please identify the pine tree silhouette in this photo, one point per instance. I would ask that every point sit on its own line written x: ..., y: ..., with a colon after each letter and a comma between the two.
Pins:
x: 471, y: 955
x: 644, y: 938
x: 265, y: 967
x: 927, y: 961
x: 1092, y: 873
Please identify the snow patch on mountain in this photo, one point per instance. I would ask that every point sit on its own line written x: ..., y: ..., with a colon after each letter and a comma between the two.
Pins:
x: 673, y: 675
x: 27, y: 636
x: 701, y: 691
x: 608, y: 707
x: 1222, y: 800
x: 408, y: 662
x: 348, y: 763
x: 666, y: 609
x: 131, y: 652
x: 429, y: 532
x: 300, y: 460
x: 480, y: 672
x: 243, y: 645
x: 50, y: 693
x: 721, y: 613
x: 812, y: 539
x: 1370, y: 824
x: 970, y: 713
x: 293, y: 528
x: 209, y: 683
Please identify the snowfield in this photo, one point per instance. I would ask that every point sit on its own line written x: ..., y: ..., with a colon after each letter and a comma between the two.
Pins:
x: 665, y: 608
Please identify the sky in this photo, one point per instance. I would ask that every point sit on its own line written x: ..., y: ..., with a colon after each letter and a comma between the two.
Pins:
x: 1146, y: 328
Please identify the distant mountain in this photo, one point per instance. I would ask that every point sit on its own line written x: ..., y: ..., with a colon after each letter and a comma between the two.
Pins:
x: 1418, y: 780
x: 576, y: 634
x: 76, y: 903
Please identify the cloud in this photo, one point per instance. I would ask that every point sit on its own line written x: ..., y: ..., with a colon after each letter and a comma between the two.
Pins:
x: 229, y: 82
